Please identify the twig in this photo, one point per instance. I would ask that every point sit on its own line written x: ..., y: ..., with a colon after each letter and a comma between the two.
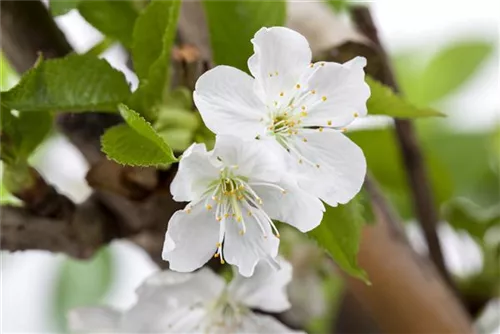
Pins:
x: 423, y: 201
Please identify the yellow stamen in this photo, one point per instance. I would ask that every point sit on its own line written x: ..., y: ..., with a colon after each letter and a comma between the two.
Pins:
x: 323, y: 98
x: 297, y: 86
x: 329, y: 123
x: 356, y: 114
x: 209, y: 207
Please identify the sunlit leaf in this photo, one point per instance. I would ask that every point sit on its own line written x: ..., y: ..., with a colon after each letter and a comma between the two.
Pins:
x: 74, y: 83
x: 136, y: 143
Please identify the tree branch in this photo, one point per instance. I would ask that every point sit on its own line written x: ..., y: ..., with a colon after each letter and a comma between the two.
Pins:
x: 423, y: 199
x: 414, y: 296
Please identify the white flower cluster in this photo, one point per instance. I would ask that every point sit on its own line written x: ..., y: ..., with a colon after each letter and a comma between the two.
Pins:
x: 279, y: 151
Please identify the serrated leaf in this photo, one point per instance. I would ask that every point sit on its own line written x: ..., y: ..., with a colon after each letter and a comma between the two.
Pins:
x: 136, y: 143
x: 383, y: 101
x: 61, y: 7
x: 451, y: 67
x: 153, y: 38
x: 233, y: 23
x: 339, y: 235
x: 114, y: 18
x: 71, y: 84
x: 82, y: 283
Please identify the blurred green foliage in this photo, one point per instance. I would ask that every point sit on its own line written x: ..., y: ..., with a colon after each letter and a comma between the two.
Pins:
x: 82, y: 283
x: 232, y: 24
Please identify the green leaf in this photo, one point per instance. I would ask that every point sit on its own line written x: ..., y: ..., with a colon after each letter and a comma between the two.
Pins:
x: 232, y: 24
x: 338, y: 6
x: 463, y: 214
x: 114, y: 18
x: 8, y: 77
x: 451, y: 67
x: 22, y: 134
x: 137, y: 143
x: 383, y: 101
x: 153, y: 39
x: 339, y: 234
x: 385, y: 163
x: 61, y: 7
x: 82, y: 283
x: 70, y: 84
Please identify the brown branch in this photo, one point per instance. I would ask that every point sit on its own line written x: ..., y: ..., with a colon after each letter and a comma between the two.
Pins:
x: 407, y: 294
x: 423, y: 199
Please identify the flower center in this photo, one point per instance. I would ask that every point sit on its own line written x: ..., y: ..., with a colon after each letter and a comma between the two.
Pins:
x: 234, y: 201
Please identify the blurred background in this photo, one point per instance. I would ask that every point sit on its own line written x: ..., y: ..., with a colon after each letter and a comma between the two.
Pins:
x: 445, y: 55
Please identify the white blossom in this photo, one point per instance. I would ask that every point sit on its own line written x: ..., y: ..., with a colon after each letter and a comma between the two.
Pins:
x: 298, y: 108
x: 234, y: 192
x: 199, y: 302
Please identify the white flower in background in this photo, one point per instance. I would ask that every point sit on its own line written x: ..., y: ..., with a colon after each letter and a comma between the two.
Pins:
x: 199, y: 302
x: 234, y: 191
x: 298, y: 108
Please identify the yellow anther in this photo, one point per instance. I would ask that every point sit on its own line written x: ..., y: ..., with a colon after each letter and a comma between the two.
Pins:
x: 276, y: 73
x: 285, y: 114
x: 270, y: 75
x: 303, y: 107
x: 343, y: 130
x: 218, y: 244
x: 238, y: 219
x: 320, y: 129
x: 215, y: 198
x: 313, y: 91
x: 275, y: 103
x: 322, y: 64
x: 259, y: 200
x: 300, y: 161
x: 299, y: 121
x: 323, y: 98
x: 281, y: 94
x: 216, y: 255
x: 303, y: 113
x: 329, y: 123
x: 222, y: 261
x: 209, y: 207
x: 283, y: 191
x: 242, y: 232
x: 249, y: 213
x: 226, y: 215
x: 297, y: 86
x: 188, y: 210
x: 304, y: 140
x: 311, y: 65
x: 356, y: 114
x: 277, y: 235
x: 317, y: 165
x: 241, y: 187
x: 239, y: 198
x: 219, y: 218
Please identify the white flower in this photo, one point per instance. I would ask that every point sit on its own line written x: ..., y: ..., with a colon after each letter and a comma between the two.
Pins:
x: 200, y: 302
x: 299, y: 105
x: 234, y: 191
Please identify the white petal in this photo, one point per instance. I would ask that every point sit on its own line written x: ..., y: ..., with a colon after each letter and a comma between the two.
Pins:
x: 253, y: 158
x: 258, y: 323
x: 227, y: 103
x: 265, y: 289
x: 342, y: 166
x: 191, y: 238
x: 94, y: 320
x: 296, y: 206
x: 167, y: 299
x: 340, y: 94
x: 280, y: 57
x: 194, y: 174
x: 244, y: 251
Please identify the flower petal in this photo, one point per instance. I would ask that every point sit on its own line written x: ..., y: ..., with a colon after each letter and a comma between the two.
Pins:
x: 342, y: 165
x: 280, y: 57
x: 259, y: 323
x: 340, y: 94
x: 94, y: 320
x: 252, y: 157
x: 245, y: 250
x: 191, y: 238
x: 265, y: 289
x: 296, y: 206
x: 194, y: 174
x: 227, y: 103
